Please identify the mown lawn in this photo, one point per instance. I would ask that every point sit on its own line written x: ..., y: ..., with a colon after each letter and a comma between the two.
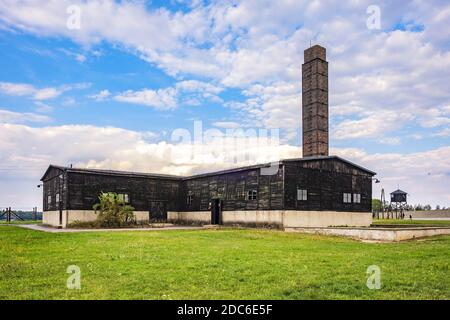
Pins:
x: 21, y: 222
x: 412, y: 222
x: 217, y: 264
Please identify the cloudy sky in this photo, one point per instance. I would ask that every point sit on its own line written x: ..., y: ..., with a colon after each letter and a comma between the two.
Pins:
x: 107, y: 84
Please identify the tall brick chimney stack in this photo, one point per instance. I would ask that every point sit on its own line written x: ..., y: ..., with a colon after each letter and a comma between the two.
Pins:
x: 315, y: 102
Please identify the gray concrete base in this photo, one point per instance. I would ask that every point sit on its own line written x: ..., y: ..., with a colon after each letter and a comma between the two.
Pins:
x: 277, y: 218
x: 377, y: 233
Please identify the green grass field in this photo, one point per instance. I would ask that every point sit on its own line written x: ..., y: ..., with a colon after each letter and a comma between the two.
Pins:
x: 412, y: 222
x: 217, y: 264
x: 21, y: 222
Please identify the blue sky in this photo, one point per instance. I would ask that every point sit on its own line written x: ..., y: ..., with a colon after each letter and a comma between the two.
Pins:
x: 111, y: 93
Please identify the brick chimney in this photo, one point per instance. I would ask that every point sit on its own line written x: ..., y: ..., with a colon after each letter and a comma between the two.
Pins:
x: 315, y: 102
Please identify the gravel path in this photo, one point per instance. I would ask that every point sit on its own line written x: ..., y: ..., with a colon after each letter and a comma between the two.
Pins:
x: 55, y: 230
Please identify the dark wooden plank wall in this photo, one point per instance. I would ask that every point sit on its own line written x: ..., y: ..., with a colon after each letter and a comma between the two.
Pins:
x: 52, y: 185
x: 232, y: 188
x: 85, y: 188
x: 326, y: 182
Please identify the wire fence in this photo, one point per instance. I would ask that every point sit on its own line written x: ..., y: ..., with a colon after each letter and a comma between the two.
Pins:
x: 19, y: 214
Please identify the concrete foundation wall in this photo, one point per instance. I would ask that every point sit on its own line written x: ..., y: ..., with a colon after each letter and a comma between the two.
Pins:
x: 435, y: 214
x: 272, y: 217
x: 68, y: 216
x: 190, y: 216
x: 326, y: 219
x: 283, y: 218
x: 375, y: 234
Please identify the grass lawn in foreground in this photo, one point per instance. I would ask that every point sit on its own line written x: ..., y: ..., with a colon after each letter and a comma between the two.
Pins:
x: 21, y: 222
x: 443, y: 223
x: 217, y: 264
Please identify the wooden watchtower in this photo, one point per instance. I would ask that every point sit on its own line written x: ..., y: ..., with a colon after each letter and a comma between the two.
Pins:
x: 399, y: 200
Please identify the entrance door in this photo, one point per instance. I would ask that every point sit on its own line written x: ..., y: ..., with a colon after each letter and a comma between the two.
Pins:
x: 158, y: 211
x: 216, y: 211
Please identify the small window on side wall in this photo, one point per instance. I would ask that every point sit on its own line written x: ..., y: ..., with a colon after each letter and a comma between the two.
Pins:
x: 356, y: 198
x: 125, y: 197
x: 302, y: 194
x: 252, y: 194
x: 347, y: 198
x: 190, y: 199
x: 49, y: 199
x: 57, y: 198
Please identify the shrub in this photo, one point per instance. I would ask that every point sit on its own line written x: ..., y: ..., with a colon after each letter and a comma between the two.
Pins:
x: 113, y: 212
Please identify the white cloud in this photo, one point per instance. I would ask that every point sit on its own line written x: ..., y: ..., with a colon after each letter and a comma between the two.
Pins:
x: 7, y: 116
x: 46, y: 93
x: 226, y: 124
x: 189, y: 92
x: 17, y: 89
x: 372, y: 125
x: 163, y: 99
x: 42, y: 107
x: 422, y: 174
x: 443, y: 133
x: 24, y: 89
x: 261, y: 43
x: 102, y: 95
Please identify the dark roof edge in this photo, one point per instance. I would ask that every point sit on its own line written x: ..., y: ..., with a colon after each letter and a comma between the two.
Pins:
x: 112, y: 172
x: 332, y: 157
x: 200, y: 175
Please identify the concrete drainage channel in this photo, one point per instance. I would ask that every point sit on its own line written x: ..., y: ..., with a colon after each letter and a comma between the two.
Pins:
x: 376, y: 233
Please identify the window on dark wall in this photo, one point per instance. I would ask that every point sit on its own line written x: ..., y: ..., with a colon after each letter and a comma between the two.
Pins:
x: 125, y: 197
x: 357, y: 198
x: 240, y: 194
x: 190, y: 199
x: 347, y: 198
x: 302, y: 194
x: 252, y: 194
x: 49, y: 200
x: 57, y: 198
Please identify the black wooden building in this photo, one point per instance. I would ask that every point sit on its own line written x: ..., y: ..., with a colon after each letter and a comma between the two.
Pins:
x: 317, y: 190
x: 325, y: 183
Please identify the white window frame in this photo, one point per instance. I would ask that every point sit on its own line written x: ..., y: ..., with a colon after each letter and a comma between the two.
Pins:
x: 357, y: 198
x: 57, y: 198
x: 302, y: 194
x: 240, y: 193
x: 125, y: 197
x: 190, y: 199
x: 252, y: 194
x: 347, y: 197
x: 49, y: 199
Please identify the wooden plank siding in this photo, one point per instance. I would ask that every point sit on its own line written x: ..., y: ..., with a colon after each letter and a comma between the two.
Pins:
x: 326, y: 182
x: 232, y: 189
x: 325, y: 179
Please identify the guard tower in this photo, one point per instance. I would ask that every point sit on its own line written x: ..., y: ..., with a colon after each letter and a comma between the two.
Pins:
x: 398, y: 203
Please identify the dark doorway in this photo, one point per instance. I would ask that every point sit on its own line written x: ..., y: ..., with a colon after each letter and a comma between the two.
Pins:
x: 216, y: 211
x: 158, y: 211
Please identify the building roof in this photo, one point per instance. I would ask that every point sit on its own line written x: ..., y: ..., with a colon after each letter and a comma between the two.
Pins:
x: 201, y: 175
x: 398, y: 191
x: 111, y: 172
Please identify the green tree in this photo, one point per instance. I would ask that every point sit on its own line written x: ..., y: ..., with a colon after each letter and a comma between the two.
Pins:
x: 376, y: 205
x: 113, y: 211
